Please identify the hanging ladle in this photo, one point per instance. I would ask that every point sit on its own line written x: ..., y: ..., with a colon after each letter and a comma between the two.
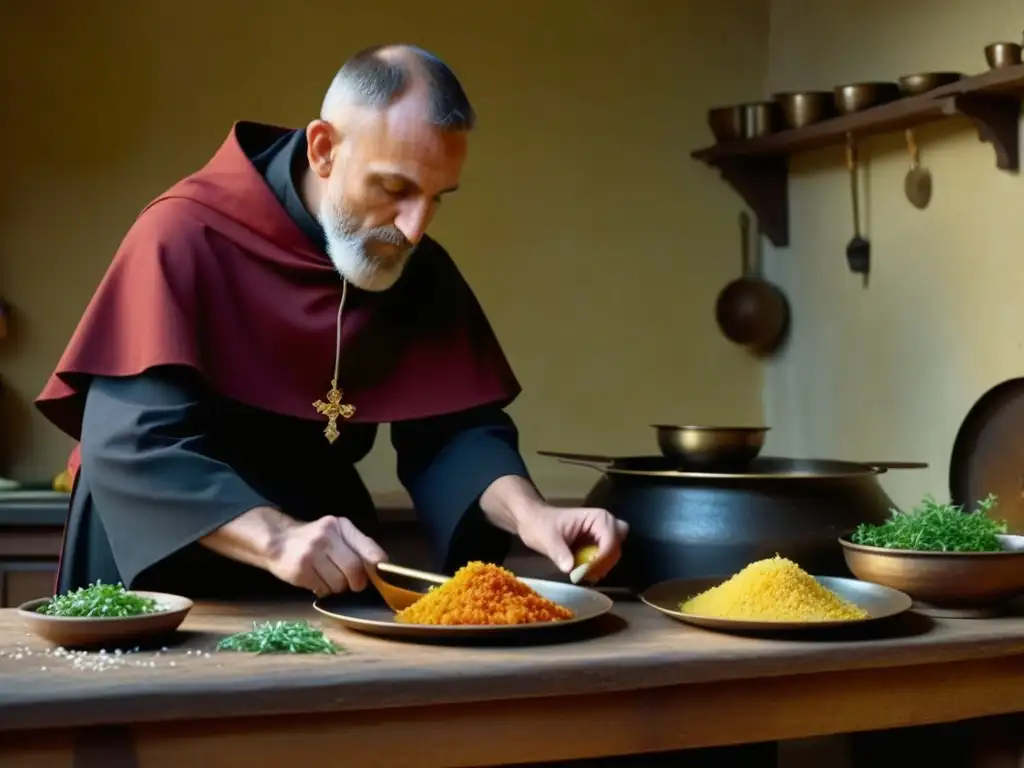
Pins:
x: 858, y: 250
x: 918, y: 184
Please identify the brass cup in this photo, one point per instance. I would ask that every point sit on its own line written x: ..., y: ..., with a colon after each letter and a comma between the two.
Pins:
x: 856, y: 97
x: 726, y: 123
x: 1000, y: 55
x: 803, y: 108
x: 761, y: 118
x: 923, y: 82
x: 744, y: 121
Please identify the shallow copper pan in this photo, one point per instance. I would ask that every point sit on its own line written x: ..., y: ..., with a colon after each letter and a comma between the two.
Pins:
x: 988, y: 453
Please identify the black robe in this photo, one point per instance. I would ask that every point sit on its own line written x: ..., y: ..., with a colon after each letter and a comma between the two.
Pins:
x: 165, y: 461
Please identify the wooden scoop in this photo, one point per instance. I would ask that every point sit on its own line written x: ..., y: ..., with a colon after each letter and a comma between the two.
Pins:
x: 398, y: 598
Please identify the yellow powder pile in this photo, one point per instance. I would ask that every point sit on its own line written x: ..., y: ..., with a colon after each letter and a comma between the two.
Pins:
x: 481, y: 593
x: 775, y: 589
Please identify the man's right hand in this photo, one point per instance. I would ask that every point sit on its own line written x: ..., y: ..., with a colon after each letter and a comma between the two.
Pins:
x: 326, y: 556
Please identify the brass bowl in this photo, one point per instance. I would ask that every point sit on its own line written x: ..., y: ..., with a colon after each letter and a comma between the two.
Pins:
x: 726, y: 123
x: 856, y: 97
x: 948, y: 584
x: 923, y: 82
x: 744, y: 121
x: 697, y: 446
x: 802, y: 108
x: 1002, y: 55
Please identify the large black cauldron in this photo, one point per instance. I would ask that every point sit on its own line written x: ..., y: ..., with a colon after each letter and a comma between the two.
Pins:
x: 701, y: 524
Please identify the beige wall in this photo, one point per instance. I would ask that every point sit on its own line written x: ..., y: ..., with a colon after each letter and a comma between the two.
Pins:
x: 890, y: 372
x: 594, y: 242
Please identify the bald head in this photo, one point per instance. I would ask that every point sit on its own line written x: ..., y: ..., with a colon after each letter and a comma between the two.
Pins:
x: 376, y: 78
x: 387, y: 149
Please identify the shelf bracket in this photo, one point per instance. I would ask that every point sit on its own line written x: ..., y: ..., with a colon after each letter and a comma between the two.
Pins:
x: 997, y: 120
x: 763, y: 183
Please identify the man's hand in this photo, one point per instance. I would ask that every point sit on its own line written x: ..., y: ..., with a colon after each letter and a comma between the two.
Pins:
x: 326, y: 556
x: 513, y: 504
x: 558, y: 532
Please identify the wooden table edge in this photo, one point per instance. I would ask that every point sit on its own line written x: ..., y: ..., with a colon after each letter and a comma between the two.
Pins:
x: 310, y: 694
x: 561, y: 728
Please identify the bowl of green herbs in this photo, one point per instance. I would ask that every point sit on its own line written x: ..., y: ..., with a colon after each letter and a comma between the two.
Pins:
x: 952, y: 562
x: 100, y: 614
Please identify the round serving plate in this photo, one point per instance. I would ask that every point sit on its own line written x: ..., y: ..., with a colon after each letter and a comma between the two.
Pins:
x: 586, y: 605
x: 880, y: 603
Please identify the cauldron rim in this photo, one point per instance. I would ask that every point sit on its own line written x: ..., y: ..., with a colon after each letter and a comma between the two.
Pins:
x: 800, y: 469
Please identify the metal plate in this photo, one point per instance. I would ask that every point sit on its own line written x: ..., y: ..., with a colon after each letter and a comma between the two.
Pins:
x: 988, y: 453
x: 880, y: 603
x: 586, y: 604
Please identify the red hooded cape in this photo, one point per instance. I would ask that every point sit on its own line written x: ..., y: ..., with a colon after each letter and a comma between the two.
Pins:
x: 216, y: 276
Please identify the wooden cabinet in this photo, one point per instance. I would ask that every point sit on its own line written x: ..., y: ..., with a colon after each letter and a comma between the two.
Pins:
x: 28, y: 562
x: 21, y: 582
x: 31, y: 530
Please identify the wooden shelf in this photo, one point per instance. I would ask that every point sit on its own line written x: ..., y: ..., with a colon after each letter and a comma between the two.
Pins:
x: 758, y: 169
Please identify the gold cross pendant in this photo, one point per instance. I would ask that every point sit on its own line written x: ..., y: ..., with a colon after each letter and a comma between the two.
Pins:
x: 332, y: 409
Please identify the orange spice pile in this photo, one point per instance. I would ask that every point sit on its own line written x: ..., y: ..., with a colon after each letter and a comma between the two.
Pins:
x: 481, y: 593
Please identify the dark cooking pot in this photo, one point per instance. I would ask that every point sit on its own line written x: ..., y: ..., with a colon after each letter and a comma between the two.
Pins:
x: 702, y: 524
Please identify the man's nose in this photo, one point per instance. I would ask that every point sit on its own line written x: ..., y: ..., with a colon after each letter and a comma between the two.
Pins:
x: 412, y: 221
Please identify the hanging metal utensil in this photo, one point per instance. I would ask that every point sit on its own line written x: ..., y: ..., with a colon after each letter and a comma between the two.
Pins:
x: 750, y: 310
x: 858, y: 250
x: 918, y: 184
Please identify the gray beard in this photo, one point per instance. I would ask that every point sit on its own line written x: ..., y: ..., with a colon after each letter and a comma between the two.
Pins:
x: 348, y: 252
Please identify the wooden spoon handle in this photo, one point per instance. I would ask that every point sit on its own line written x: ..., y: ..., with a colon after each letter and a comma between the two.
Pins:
x: 412, y: 573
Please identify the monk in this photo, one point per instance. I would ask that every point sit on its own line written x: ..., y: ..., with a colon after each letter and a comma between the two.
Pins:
x: 260, y: 320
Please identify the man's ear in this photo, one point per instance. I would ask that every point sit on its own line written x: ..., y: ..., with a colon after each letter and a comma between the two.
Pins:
x: 321, y: 144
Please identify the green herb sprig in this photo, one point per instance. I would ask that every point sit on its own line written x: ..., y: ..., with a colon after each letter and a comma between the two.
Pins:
x: 280, y: 637
x: 98, y: 600
x: 935, y: 527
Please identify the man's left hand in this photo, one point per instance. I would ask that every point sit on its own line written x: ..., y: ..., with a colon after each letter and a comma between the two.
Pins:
x: 557, y: 532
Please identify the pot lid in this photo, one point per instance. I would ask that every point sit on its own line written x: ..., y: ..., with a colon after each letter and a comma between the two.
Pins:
x: 988, y: 453
x: 762, y: 468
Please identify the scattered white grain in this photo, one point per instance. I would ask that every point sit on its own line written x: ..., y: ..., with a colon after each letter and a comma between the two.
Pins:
x: 102, y: 660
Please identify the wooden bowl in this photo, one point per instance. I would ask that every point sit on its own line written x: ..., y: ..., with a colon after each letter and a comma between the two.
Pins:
x: 949, y: 584
x: 856, y: 97
x: 923, y: 82
x: 95, y: 631
x: 802, y: 108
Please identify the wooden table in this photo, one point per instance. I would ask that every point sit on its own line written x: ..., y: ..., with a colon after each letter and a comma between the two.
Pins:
x: 638, y: 682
